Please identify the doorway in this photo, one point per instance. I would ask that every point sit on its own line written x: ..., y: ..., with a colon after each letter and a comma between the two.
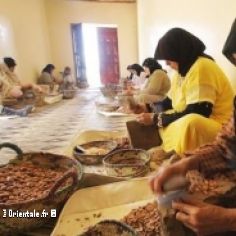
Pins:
x: 96, y: 57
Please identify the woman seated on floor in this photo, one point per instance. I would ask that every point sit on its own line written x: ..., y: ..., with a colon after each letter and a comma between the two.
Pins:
x: 68, y: 81
x: 200, y: 97
x: 12, y: 87
x: 200, y: 217
x: 155, y: 89
x: 157, y: 84
x: 47, y: 77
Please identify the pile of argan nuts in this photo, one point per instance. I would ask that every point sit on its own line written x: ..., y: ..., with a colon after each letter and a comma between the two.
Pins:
x: 26, y: 181
x: 107, y: 229
x: 145, y: 220
x: 123, y: 142
x: 209, y: 187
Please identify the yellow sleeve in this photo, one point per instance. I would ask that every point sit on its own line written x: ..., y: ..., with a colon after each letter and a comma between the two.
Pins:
x: 201, y: 84
x: 173, y: 86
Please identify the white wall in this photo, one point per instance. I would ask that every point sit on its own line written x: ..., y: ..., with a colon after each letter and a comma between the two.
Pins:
x: 7, y: 43
x: 210, y: 20
x: 24, y: 35
x: 37, y: 32
x: 61, y: 14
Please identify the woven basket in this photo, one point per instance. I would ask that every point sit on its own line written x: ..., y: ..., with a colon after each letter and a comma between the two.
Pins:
x: 127, y: 163
x: 69, y: 93
x: 13, y: 103
x: 96, y: 159
x: 54, y: 199
x: 103, y: 227
x: 40, y: 99
x: 29, y: 98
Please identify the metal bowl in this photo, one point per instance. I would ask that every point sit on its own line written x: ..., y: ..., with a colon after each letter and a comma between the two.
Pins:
x: 106, y: 107
x: 127, y: 163
x: 94, y: 159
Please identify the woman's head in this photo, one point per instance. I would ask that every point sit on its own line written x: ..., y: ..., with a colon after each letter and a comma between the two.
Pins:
x: 150, y: 65
x: 10, y: 62
x: 180, y: 49
x: 135, y: 69
x: 67, y: 70
x: 49, y: 68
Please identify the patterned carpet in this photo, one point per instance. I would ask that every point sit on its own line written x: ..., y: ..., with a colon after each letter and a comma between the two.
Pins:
x: 53, y: 127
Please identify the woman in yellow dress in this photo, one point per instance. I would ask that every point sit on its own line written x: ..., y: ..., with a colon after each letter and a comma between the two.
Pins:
x: 201, y: 97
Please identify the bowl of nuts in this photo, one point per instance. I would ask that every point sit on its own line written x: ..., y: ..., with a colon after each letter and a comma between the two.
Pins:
x: 127, y: 163
x: 92, y: 153
x: 110, y: 227
x: 35, y: 183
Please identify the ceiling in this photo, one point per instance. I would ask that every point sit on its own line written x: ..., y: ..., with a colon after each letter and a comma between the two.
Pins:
x: 118, y: 1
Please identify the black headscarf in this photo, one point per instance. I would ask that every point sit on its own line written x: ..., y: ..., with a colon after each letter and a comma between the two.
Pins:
x: 152, y: 64
x: 10, y: 62
x: 137, y: 68
x: 182, y: 47
x: 48, y: 68
x: 230, y: 44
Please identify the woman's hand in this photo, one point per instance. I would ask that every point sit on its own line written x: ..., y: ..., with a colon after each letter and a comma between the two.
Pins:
x: 179, y: 168
x: 16, y: 92
x: 26, y: 85
x: 127, y: 92
x: 145, y: 118
x: 205, y: 219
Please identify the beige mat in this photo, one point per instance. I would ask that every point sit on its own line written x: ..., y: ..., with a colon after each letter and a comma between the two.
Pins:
x: 88, y: 206
x: 53, y: 99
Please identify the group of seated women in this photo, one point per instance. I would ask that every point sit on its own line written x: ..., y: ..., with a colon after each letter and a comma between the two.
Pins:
x: 12, y: 88
x: 191, y: 111
x: 56, y: 83
x: 147, y: 84
x: 11, y: 85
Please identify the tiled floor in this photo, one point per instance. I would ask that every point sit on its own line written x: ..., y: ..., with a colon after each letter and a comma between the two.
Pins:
x: 52, y: 128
